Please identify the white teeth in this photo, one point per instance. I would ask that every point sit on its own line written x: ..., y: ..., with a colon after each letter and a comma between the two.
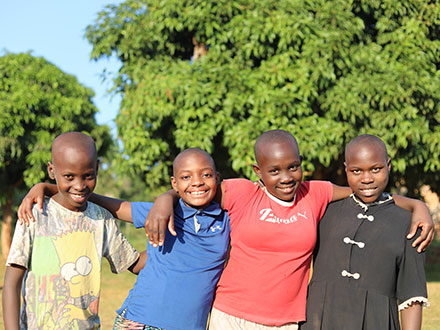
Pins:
x: 197, y: 192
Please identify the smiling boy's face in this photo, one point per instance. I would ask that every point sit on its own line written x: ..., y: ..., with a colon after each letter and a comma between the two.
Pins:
x: 195, y: 179
x: 74, y: 167
x: 367, y: 166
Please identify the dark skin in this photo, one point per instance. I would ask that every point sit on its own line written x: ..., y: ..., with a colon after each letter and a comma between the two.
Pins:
x: 368, y: 167
x: 161, y: 215
x: 279, y: 149
x: 74, y: 166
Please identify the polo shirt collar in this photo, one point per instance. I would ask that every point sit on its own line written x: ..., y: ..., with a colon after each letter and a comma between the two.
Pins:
x: 185, y: 212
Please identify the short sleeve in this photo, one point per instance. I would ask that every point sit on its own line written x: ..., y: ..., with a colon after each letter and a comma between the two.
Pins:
x: 139, y: 211
x: 238, y: 191
x: 22, y: 242
x: 118, y: 250
x: 322, y: 194
x: 411, y: 279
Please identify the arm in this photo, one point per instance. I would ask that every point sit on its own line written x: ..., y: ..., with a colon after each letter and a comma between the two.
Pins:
x: 421, y: 218
x: 11, y: 296
x: 340, y: 192
x: 118, y: 208
x: 161, y: 214
x: 139, y: 264
x: 411, y: 317
x: 35, y: 195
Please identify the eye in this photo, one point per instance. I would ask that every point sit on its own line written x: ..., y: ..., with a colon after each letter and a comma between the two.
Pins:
x: 273, y: 171
x: 294, y: 168
x: 90, y: 176
x: 185, y: 177
x: 376, y: 169
x: 68, y: 177
x: 356, y: 172
x: 207, y: 175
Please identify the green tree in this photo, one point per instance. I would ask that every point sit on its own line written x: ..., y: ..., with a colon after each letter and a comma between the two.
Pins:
x: 38, y: 102
x: 324, y: 70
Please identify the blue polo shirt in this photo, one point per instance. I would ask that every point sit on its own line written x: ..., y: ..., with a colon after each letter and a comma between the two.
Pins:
x: 176, y: 287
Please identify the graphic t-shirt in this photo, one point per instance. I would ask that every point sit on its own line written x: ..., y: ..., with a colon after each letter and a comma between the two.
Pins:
x: 62, y: 252
x: 272, y: 241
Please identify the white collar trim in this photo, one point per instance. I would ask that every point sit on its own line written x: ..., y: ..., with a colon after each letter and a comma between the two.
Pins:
x: 279, y: 201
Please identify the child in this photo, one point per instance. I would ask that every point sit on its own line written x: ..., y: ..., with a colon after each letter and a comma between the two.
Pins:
x: 59, y: 256
x: 364, y: 269
x: 176, y: 289
x: 273, y: 234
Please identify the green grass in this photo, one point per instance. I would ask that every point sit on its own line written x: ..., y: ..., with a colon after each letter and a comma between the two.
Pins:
x: 115, y: 288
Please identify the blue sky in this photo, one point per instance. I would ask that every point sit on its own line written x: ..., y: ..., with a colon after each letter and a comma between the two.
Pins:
x: 54, y: 29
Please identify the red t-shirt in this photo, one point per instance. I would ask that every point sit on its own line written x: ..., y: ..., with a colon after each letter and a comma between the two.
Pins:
x: 272, y: 242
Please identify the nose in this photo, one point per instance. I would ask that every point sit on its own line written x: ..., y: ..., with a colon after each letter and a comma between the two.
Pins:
x: 79, y: 185
x: 286, y: 177
x: 196, y: 181
x: 367, y: 177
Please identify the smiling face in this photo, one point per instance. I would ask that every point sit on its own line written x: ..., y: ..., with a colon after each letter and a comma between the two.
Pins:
x: 195, y: 178
x: 74, y: 168
x: 367, y: 166
x: 279, y: 167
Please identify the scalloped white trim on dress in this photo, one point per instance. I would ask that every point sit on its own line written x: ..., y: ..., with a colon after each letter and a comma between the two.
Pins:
x: 409, y: 302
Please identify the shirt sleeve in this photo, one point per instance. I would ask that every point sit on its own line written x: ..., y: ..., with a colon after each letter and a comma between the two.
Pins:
x: 322, y: 192
x: 118, y: 250
x: 238, y: 192
x: 411, y: 279
x: 22, y: 242
x: 139, y: 212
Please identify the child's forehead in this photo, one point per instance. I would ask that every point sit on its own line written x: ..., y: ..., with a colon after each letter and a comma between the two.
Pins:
x: 193, y: 160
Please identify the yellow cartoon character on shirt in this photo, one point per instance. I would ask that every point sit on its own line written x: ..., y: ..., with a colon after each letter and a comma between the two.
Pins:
x: 80, y: 268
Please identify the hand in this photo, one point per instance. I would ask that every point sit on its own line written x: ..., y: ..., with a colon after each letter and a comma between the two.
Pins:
x: 161, y: 214
x: 35, y: 195
x: 421, y: 218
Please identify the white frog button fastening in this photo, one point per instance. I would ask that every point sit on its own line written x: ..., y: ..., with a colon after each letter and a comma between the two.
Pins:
x: 348, y: 240
x: 368, y: 217
x: 356, y: 276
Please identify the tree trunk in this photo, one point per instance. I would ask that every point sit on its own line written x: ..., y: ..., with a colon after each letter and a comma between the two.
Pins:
x: 6, y: 234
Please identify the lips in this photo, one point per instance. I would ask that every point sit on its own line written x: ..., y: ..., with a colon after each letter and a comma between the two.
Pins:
x: 78, y: 198
x: 368, y: 191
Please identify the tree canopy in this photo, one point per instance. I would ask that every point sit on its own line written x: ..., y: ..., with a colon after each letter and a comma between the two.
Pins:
x: 38, y: 102
x: 324, y: 70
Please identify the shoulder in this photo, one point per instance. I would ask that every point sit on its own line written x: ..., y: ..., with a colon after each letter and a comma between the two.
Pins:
x: 94, y: 211
x: 316, y: 189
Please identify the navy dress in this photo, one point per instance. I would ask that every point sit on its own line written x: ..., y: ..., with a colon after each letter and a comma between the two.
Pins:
x: 364, y: 267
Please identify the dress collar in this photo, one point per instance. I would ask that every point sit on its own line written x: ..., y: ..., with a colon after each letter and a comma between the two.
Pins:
x: 384, y: 198
x: 185, y: 212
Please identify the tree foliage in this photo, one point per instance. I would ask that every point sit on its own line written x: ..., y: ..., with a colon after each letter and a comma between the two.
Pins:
x: 326, y: 71
x: 38, y: 102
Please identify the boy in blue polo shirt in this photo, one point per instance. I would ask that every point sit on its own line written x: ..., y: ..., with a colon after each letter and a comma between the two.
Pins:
x: 176, y: 287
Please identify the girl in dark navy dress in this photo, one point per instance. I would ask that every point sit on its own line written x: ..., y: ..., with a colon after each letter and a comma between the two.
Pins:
x: 365, y: 270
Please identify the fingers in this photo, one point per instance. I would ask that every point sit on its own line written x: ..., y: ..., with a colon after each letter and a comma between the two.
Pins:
x: 24, y: 212
x: 425, y: 238
x: 171, y: 226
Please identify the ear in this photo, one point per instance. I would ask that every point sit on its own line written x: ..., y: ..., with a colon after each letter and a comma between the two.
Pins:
x: 257, y: 170
x: 300, y: 159
x: 389, y: 164
x: 174, y: 184
x: 51, y: 170
x: 97, y: 166
x: 217, y: 177
x: 345, y: 167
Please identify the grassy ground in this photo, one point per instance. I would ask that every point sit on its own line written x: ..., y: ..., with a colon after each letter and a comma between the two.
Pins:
x: 116, y: 287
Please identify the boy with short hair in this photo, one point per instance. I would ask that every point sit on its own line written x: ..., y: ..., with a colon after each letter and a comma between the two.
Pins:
x: 365, y: 271
x: 58, y: 257
x: 176, y: 288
